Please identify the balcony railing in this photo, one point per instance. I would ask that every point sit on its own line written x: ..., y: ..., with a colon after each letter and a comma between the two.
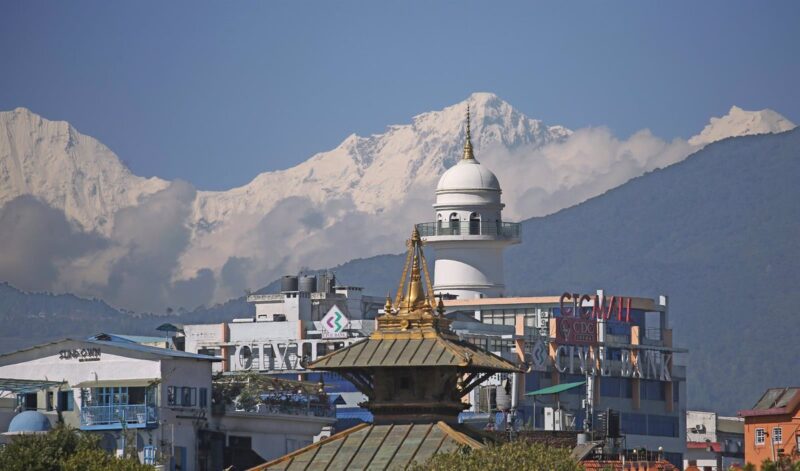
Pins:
x: 506, y: 230
x: 312, y: 410
x: 114, y: 416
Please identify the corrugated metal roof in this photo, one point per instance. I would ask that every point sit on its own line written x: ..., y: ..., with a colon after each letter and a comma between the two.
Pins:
x: 409, y: 352
x: 376, y: 447
x: 160, y: 352
x: 19, y: 386
x: 775, y: 401
x: 558, y: 388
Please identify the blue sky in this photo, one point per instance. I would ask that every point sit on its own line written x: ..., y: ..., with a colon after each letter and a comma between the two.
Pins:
x: 214, y: 93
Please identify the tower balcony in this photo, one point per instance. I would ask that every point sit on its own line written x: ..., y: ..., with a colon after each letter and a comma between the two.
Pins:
x: 491, y: 230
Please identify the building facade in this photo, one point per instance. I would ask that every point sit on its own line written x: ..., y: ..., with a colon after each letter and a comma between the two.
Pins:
x: 132, y: 395
x: 713, y: 442
x: 772, y: 427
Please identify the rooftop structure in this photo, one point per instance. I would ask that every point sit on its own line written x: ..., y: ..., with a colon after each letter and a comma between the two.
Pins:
x: 772, y: 427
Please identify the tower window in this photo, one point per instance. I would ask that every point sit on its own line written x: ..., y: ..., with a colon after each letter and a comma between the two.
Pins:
x: 474, y: 224
x: 455, y: 224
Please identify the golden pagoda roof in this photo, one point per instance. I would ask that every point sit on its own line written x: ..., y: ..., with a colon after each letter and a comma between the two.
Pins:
x: 367, y: 446
x: 414, y: 332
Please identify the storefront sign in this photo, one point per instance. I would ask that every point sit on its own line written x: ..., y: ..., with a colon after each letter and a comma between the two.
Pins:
x: 648, y: 364
x: 600, y: 307
x: 81, y: 354
x: 576, y: 331
x: 335, y: 322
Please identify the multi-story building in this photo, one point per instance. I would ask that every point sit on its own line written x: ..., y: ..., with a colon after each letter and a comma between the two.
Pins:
x: 772, y: 427
x: 162, y: 402
x: 713, y: 442
x: 150, y: 398
x: 620, y: 348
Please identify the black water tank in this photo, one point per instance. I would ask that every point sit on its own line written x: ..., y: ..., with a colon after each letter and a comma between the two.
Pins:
x: 289, y: 283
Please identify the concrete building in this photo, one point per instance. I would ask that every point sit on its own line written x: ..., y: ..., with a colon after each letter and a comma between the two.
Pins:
x: 619, y: 347
x: 772, y: 427
x: 289, y: 328
x: 123, y: 391
x: 162, y: 401
x: 713, y: 442
x: 469, y: 234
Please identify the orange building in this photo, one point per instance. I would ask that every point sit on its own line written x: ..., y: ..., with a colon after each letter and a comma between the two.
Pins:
x: 772, y: 427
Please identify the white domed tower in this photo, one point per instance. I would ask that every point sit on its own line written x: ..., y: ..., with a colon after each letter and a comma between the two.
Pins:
x: 469, y: 234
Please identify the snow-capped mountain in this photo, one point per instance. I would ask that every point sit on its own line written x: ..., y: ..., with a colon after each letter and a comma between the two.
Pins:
x: 67, y: 170
x: 163, y: 243
x: 739, y: 122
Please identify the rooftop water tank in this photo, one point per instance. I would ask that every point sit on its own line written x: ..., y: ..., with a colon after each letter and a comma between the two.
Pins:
x: 288, y: 283
x: 307, y: 284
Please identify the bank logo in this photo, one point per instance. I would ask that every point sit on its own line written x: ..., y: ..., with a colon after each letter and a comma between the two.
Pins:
x: 335, y: 321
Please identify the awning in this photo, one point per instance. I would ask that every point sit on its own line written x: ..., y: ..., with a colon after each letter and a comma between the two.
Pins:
x: 21, y: 386
x: 117, y: 382
x: 558, y: 388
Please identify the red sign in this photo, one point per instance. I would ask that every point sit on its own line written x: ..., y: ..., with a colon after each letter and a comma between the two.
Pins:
x: 576, y: 331
x: 599, y: 308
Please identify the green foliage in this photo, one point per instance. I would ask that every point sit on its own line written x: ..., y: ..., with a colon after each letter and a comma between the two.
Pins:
x: 783, y: 464
x: 61, y: 449
x: 508, y: 456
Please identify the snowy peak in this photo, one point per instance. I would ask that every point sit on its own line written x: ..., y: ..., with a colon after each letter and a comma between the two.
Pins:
x: 739, y: 122
x: 55, y: 163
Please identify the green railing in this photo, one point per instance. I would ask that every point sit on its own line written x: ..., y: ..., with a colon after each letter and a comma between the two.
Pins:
x: 506, y: 230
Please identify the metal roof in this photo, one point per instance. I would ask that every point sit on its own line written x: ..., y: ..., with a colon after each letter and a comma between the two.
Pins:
x: 376, y: 447
x: 157, y: 351
x: 558, y: 388
x: 21, y: 386
x: 775, y: 401
x: 410, y: 352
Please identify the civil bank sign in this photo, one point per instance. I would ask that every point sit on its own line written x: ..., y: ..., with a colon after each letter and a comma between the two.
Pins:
x: 335, y: 323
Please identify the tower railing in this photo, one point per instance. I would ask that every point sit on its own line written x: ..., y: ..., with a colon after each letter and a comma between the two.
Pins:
x: 506, y: 230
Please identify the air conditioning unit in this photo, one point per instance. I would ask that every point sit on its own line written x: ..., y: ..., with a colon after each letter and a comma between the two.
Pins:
x: 558, y: 419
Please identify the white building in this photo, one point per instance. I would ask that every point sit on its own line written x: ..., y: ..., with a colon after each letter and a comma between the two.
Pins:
x: 469, y: 234
x: 162, y: 401
x: 713, y: 442
x: 161, y: 397
x: 287, y: 328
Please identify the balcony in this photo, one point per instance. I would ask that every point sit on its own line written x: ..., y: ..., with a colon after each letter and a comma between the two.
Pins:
x: 503, y: 230
x: 117, y: 416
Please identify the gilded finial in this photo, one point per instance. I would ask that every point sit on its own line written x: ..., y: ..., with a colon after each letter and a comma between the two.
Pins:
x: 468, y: 155
x: 387, y: 308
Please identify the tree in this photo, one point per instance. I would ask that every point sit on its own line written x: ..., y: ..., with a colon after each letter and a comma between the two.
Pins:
x: 61, y: 449
x: 508, y: 456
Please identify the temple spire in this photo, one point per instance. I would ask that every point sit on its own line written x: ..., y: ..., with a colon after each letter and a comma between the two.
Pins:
x: 468, y: 155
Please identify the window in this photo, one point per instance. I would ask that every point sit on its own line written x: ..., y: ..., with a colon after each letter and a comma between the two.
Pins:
x: 761, y: 436
x: 48, y: 401
x: 203, y: 397
x: 777, y: 435
x: 188, y: 396
x: 634, y: 424
x: 474, y: 224
x: 662, y: 425
x: 172, y: 393
x: 455, y: 224
x: 65, y: 400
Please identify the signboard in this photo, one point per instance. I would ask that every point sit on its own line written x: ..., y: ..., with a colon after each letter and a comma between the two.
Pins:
x: 538, y: 357
x: 335, y: 323
x: 576, y: 331
x: 81, y: 354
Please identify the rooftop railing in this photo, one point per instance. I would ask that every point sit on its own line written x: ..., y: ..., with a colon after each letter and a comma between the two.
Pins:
x: 506, y: 230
